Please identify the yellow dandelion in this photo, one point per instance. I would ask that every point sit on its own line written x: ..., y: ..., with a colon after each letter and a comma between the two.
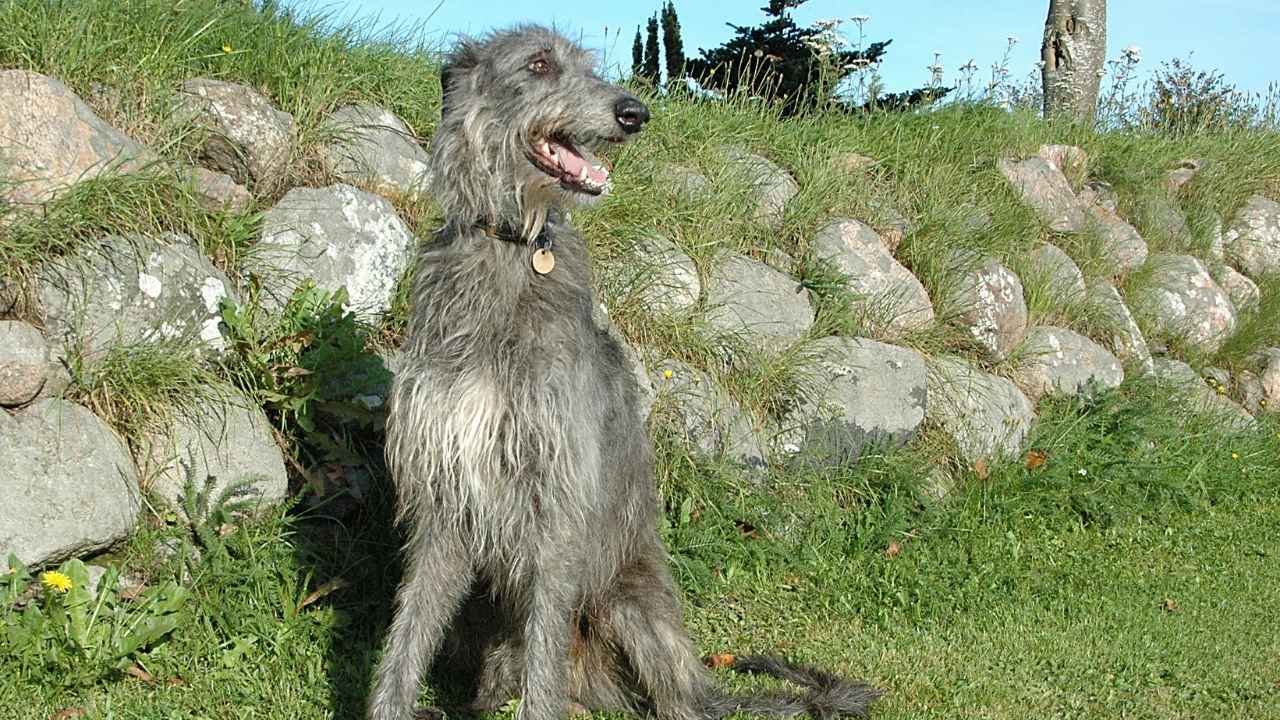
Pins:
x: 226, y: 48
x: 668, y: 374
x: 1235, y: 456
x: 55, y: 580
x: 1222, y: 390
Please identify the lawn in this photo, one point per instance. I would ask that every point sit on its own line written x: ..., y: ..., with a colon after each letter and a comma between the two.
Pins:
x: 1124, y: 567
x: 1131, y: 574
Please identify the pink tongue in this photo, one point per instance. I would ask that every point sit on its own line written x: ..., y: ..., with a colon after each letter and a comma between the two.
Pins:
x: 572, y: 163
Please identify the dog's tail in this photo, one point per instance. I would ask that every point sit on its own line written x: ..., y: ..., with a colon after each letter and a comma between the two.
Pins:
x: 824, y: 695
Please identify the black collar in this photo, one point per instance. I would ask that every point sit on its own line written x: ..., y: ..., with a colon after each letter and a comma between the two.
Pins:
x: 500, y: 231
x: 509, y: 233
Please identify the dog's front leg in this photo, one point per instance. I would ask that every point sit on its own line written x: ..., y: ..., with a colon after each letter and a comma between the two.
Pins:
x: 553, y: 597
x: 437, y: 575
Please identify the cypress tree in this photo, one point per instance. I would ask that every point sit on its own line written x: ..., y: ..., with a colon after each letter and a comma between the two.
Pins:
x: 637, y: 55
x: 651, y: 69
x: 672, y: 45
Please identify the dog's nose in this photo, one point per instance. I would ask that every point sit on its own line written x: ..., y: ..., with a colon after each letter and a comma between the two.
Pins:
x: 631, y: 114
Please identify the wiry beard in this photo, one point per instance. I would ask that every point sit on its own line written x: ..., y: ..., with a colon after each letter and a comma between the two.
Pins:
x: 479, y: 181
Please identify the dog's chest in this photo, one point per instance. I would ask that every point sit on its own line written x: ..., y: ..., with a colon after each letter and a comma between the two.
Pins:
x: 511, y: 420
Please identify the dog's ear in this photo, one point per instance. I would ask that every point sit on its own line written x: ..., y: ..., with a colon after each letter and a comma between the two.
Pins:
x: 459, y: 67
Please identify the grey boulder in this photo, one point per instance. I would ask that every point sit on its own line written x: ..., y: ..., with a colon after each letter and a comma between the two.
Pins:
x: 1123, y: 336
x: 1185, y: 302
x: 52, y: 140
x: 991, y: 306
x: 1057, y: 361
x: 748, y: 298
x: 134, y: 290
x: 894, y: 301
x: 705, y: 416
x: 218, y: 192
x: 1121, y: 245
x: 24, y: 363
x: 769, y: 186
x: 1181, y: 175
x: 1069, y: 160
x: 1059, y: 273
x: 1180, y: 377
x: 1045, y: 190
x: 867, y: 392
x: 216, y: 442
x: 987, y: 416
x: 337, y: 236
x: 373, y: 148
x: 659, y: 274
x: 1163, y: 217
x: 1253, y: 239
x: 683, y: 182
x: 70, y: 485
x: 1100, y: 194
x: 1268, y: 372
x: 244, y: 135
x: 1244, y: 293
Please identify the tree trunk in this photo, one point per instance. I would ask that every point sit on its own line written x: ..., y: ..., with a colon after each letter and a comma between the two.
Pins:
x: 1074, y: 52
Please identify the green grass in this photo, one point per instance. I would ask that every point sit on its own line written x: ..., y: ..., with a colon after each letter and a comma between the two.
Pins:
x: 1144, y: 588
x: 1029, y: 593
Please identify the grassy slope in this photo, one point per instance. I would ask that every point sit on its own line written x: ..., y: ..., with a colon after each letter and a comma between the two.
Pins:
x: 1030, y: 594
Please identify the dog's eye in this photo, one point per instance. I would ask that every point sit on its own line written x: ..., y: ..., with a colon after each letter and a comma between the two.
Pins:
x: 539, y: 67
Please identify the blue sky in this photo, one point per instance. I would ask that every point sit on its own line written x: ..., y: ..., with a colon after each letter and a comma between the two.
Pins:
x: 1234, y: 36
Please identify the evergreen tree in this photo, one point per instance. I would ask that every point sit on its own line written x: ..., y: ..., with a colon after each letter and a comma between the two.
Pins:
x: 672, y: 45
x: 775, y: 60
x: 637, y: 55
x: 651, y: 69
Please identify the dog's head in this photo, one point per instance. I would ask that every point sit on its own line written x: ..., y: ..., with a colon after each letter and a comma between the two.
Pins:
x: 523, y: 120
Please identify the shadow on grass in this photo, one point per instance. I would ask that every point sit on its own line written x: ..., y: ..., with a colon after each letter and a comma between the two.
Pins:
x: 353, y: 548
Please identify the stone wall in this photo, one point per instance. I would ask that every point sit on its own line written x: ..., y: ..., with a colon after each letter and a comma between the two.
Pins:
x: 74, y: 487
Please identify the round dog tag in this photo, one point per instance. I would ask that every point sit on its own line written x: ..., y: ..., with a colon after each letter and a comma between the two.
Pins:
x: 543, y: 261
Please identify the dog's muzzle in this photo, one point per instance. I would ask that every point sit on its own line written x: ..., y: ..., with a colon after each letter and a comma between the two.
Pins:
x: 631, y: 114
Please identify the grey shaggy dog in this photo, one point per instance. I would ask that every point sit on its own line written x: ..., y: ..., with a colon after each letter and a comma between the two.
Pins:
x: 524, y: 477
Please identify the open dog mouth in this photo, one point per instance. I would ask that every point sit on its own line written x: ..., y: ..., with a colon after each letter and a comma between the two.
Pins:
x: 576, y: 167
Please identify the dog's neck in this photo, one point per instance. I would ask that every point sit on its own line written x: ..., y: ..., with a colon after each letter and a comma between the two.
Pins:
x: 513, y: 230
x: 504, y: 231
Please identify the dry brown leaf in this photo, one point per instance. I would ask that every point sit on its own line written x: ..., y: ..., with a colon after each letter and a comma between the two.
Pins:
x: 893, y: 551
x: 746, y: 529
x: 139, y: 673
x: 1036, y: 459
x: 1169, y: 605
x: 720, y: 660
x: 69, y: 713
x: 981, y: 469
x: 335, y: 584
